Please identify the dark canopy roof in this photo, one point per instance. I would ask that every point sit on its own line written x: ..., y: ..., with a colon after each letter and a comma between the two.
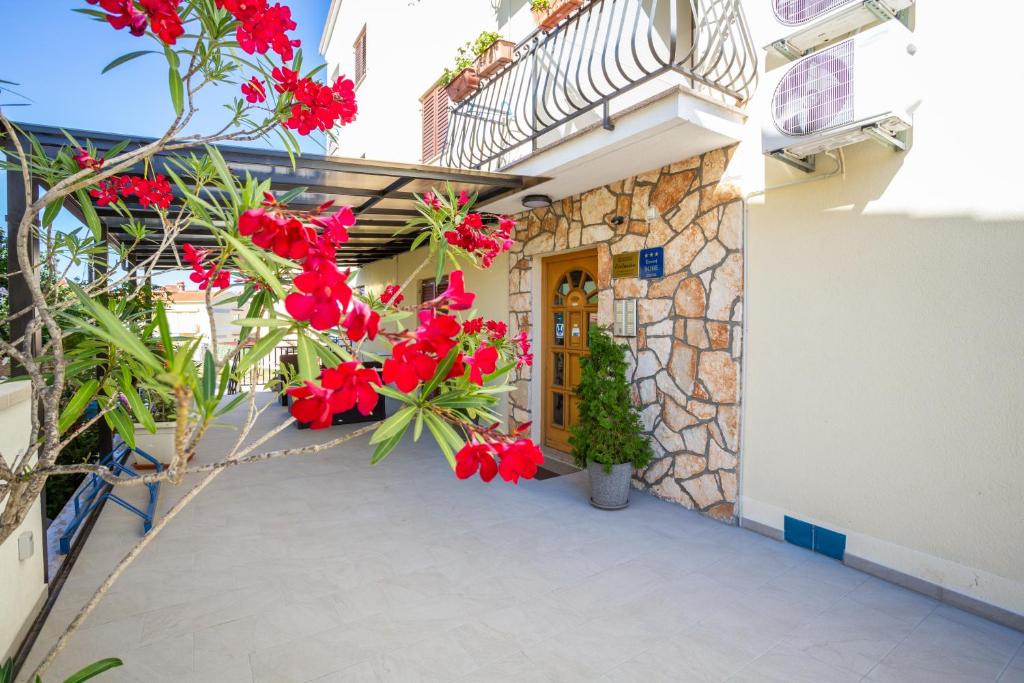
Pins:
x: 382, y: 194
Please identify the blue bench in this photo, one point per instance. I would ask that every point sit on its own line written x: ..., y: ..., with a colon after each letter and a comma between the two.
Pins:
x: 95, y: 490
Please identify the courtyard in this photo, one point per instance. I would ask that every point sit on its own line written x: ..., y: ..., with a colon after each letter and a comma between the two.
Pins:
x: 325, y: 568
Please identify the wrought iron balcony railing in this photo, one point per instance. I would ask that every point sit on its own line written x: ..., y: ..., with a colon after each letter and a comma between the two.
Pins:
x: 606, y: 48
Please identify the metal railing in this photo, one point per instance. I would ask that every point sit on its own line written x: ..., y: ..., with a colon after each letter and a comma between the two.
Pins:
x: 264, y: 372
x: 604, y: 49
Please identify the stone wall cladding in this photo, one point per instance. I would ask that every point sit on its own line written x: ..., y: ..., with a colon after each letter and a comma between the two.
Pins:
x: 687, y: 353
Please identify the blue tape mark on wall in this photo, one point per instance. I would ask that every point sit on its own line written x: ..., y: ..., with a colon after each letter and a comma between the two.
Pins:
x: 799, y: 533
x: 816, y: 538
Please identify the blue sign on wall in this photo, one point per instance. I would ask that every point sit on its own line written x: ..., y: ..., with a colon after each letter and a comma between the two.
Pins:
x: 652, y: 263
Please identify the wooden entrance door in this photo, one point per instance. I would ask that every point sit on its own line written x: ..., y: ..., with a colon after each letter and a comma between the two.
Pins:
x: 570, y: 308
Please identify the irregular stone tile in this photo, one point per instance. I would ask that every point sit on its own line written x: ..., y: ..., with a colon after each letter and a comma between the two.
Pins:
x: 703, y: 490
x: 690, y: 298
x: 720, y: 375
x: 683, y: 365
x: 670, y: 189
x: 653, y: 310
x: 597, y: 205
x: 730, y: 229
x: 680, y: 251
x: 675, y: 416
x: 709, y: 257
x: 726, y: 288
x: 687, y: 465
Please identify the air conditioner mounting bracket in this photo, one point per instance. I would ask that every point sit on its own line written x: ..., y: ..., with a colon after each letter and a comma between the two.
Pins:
x: 885, y: 138
x: 805, y: 164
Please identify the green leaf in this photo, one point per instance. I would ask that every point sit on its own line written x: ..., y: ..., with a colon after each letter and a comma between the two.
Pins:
x: 418, y: 429
x: 51, y: 211
x: 76, y: 406
x: 139, y: 408
x: 177, y: 90
x: 309, y: 369
x: 290, y: 195
x: 442, y: 371
x: 255, y: 263
x: 385, y: 447
x: 94, y: 669
x: 391, y: 393
x: 221, y: 166
x: 437, y: 427
x: 126, y: 58
x: 260, y: 349
x: 394, y: 424
x: 92, y: 219
x: 165, y: 330
x: 115, y: 331
x: 120, y: 422
x: 263, y: 322
x: 231, y: 405
x: 209, y: 376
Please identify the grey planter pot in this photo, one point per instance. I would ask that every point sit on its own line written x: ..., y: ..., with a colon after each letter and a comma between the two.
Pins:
x: 610, y: 491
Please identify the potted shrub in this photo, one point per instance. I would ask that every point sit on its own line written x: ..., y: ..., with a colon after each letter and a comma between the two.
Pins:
x: 607, y: 438
x: 549, y: 13
x: 461, y: 81
x: 492, y: 53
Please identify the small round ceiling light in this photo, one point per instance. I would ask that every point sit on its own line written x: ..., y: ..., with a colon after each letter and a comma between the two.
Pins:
x: 536, y: 201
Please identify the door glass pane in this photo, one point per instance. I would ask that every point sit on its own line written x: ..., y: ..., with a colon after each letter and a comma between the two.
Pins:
x: 589, y: 286
x: 558, y: 409
x: 563, y: 290
x: 576, y: 276
x: 559, y: 329
x: 558, y: 376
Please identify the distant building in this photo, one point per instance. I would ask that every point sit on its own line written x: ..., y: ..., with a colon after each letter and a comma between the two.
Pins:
x: 188, y: 317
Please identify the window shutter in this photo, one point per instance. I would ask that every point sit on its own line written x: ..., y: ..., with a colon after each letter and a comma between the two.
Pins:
x: 429, y: 125
x: 435, y: 110
x: 360, y: 55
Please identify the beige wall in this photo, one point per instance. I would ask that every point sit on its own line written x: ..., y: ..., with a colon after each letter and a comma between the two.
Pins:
x: 885, y: 336
x: 22, y: 582
x: 490, y: 285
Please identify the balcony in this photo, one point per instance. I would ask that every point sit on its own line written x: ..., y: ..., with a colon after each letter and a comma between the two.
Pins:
x: 606, y: 62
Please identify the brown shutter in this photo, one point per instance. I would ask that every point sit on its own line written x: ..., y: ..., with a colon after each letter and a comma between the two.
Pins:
x: 360, y: 55
x: 428, y: 117
x: 442, y: 108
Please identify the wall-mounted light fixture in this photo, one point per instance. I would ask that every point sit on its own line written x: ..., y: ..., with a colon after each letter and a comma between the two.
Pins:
x: 536, y: 201
x: 618, y: 220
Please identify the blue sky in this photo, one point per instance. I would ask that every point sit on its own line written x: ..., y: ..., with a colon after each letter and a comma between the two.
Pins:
x: 55, y: 55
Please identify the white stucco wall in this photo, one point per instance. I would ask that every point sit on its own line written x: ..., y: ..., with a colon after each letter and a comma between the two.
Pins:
x: 408, y: 46
x: 885, y: 319
x: 22, y: 582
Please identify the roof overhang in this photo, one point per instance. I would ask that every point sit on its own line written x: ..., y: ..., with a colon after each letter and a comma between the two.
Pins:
x: 382, y: 194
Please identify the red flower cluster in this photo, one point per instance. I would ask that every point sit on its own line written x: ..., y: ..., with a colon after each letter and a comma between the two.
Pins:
x: 475, y: 237
x: 162, y: 15
x: 264, y: 27
x: 204, y: 277
x: 347, y: 386
x: 512, y: 460
x: 156, y: 191
x: 286, y: 236
x: 254, y: 91
x: 85, y: 160
x: 317, y: 106
x: 525, y: 357
x: 392, y: 294
x: 496, y: 329
x: 455, y: 298
x: 416, y: 361
x: 483, y: 362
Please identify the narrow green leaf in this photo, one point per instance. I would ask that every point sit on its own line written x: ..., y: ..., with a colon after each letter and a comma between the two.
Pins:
x: 76, y: 406
x: 209, y: 376
x: 260, y: 349
x: 289, y: 196
x: 263, y: 322
x: 128, y: 341
x: 94, y: 669
x: 442, y: 371
x: 309, y: 369
x: 397, y: 422
x: 92, y: 219
x: 165, y: 331
x: 139, y: 408
x: 120, y: 422
x: 231, y: 405
x: 391, y: 393
x: 436, y: 427
x: 51, y: 211
x: 126, y: 58
x: 177, y: 90
x: 255, y: 263
x: 384, y: 448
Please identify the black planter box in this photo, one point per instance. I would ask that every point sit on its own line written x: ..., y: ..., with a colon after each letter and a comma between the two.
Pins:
x: 353, y: 416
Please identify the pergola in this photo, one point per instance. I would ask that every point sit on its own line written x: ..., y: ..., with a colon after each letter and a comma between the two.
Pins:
x: 382, y: 194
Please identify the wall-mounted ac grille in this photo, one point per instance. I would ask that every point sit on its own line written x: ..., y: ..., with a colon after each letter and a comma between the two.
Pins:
x: 796, y: 12
x: 817, y: 93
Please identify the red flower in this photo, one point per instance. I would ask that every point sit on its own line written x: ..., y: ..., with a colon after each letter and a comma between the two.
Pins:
x: 361, y: 322
x: 105, y: 194
x: 431, y: 200
x: 322, y: 294
x: 156, y: 191
x: 164, y: 19
x: 473, y: 457
x: 254, y: 91
x: 496, y: 329
x: 336, y: 225
x: 463, y: 198
x: 456, y: 295
x: 286, y: 237
x: 287, y: 80
x: 392, y: 292
x: 122, y: 14
x: 320, y: 107
x: 264, y: 28
x: 519, y: 459
x: 474, y: 326
x: 524, y: 357
x: 85, y: 160
x: 483, y: 362
x: 204, y: 277
x: 436, y: 333
x: 408, y: 366
x: 347, y: 386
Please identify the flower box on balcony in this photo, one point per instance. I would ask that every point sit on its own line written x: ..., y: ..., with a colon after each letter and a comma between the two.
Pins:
x: 494, y: 58
x: 463, y: 85
x: 549, y: 17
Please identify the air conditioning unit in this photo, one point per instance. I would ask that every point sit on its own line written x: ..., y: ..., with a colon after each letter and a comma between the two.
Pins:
x: 799, y: 26
x: 859, y: 89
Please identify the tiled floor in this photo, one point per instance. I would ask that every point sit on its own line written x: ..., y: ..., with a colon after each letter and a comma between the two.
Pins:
x: 328, y: 569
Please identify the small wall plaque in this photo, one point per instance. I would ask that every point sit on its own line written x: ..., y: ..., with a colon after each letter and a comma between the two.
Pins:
x: 625, y: 318
x: 626, y: 264
x: 652, y: 263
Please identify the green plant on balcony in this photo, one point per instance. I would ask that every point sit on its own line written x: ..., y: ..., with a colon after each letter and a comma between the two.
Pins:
x: 463, y: 60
